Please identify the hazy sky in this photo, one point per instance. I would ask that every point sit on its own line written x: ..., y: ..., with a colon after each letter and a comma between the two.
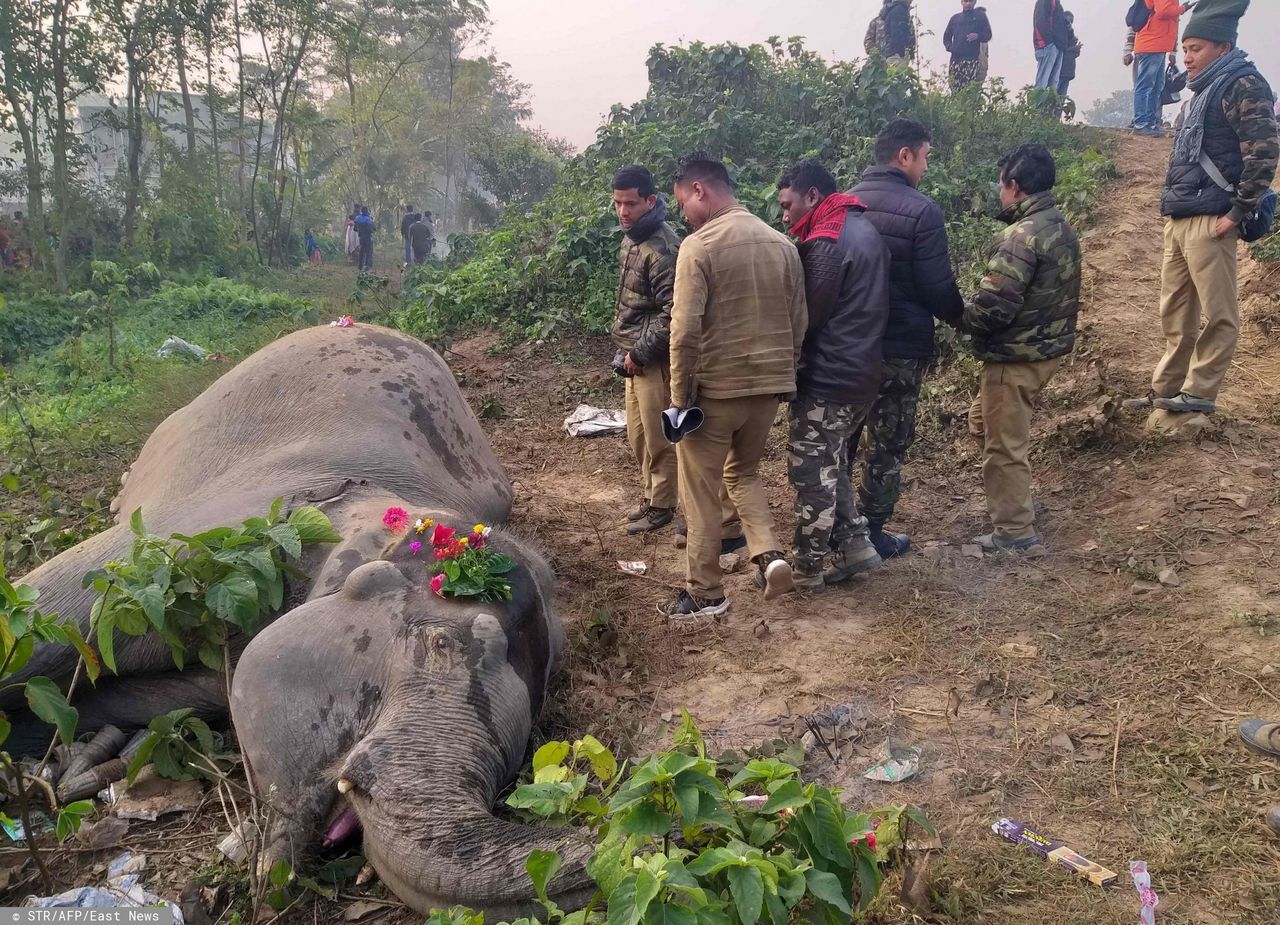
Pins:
x: 582, y: 56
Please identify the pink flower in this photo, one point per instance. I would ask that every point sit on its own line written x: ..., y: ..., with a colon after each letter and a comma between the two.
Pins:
x: 442, y: 535
x: 415, y: 547
x: 344, y: 321
x: 396, y: 518
x: 437, y: 582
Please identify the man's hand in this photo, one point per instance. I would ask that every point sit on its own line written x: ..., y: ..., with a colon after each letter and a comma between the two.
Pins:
x: 1224, y: 227
x: 630, y: 365
x: 1173, y: 58
x: 1128, y: 60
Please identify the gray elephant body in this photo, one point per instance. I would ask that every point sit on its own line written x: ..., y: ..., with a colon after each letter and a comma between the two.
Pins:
x: 424, y: 704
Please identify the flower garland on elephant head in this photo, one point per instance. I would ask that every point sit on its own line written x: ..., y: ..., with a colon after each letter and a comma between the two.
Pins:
x: 461, y: 566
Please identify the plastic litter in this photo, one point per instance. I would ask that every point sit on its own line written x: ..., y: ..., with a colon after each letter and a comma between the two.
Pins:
x: 896, y: 764
x: 1054, y: 850
x: 1147, y: 896
x: 633, y: 568
x: 587, y: 421
x: 123, y: 888
x: 176, y: 346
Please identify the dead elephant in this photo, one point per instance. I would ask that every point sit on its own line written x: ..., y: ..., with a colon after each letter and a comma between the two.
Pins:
x: 420, y: 707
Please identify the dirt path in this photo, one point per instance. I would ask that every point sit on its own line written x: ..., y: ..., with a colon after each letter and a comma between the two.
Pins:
x: 1116, y: 730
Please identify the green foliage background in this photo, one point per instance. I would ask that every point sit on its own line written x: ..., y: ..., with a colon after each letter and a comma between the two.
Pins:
x: 761, y: 107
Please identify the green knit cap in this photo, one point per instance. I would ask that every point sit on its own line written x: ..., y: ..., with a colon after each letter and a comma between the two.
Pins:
x: 1216, y: 20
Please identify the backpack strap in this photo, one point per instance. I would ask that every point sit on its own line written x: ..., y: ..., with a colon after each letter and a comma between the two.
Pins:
x: 1209, y: 167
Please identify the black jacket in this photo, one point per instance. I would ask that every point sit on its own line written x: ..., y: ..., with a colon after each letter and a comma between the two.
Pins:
x: 964, y: 23
x: 407, y: 222
x: 846, y: 284
x: 922, y: 283
x: 897, y: 24
x: 1049, y: 24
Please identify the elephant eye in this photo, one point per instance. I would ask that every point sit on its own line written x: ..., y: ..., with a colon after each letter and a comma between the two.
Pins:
x: 442, y: 642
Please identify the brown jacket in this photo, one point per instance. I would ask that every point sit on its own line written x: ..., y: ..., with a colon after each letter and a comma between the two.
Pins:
x: 739, y: 318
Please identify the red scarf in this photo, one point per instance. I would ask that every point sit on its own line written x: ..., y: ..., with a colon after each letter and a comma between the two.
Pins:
x: 827, y: 218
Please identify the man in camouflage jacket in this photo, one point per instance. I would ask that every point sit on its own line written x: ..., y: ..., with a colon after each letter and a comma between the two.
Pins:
x: 642, y: 330
x: 1023, y: 322
x: 1224, y: 160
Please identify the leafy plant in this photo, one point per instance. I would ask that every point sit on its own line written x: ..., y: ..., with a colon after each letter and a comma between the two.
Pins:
x: 182, y: 747
x: 193, y: 591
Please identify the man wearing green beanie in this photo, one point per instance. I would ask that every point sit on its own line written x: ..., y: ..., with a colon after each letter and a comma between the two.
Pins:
x: 1224, y: 159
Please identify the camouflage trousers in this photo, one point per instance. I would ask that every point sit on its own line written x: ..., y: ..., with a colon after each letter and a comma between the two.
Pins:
x: 821, y: 444
x: 889, y: 432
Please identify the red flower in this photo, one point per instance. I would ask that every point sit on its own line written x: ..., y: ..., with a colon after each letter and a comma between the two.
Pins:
x: 442, y: 535
x: 437, y: 582
x: 871, y: 840
x: 396, y: 518
x: 450, y: 550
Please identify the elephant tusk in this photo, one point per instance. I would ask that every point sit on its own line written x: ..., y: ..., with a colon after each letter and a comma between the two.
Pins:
x: 345, y: 786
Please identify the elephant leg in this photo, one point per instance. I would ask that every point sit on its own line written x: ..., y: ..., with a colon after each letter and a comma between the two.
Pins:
x: 129, y: 703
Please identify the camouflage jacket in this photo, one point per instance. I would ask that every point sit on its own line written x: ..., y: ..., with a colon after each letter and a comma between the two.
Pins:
x: 1025, y: 309
x: 1240, y: 137
x: 646, y: 288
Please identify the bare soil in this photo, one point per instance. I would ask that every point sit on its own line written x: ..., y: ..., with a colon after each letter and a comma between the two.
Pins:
x: 1096, y: 704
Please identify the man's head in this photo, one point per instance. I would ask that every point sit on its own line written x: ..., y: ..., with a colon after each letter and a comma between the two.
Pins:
x: 805, y: 184
x: 1025, y: 171
x: 364, y: 210
x: 1198, y: 54
x: 702, y: 187
x: 967, y: 5
x: 426, y: 215
x: 634, y: 194
x: 905, y: 144
x: 410, y: 208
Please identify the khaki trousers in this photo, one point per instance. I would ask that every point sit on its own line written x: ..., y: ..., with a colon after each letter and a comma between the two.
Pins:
x: 1000, y: 419
x: 648, y: 395
x: 1199, y: 276
x: 724, y: 455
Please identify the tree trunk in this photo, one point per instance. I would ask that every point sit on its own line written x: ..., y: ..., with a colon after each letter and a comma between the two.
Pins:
x: 61, y: 139
x: 211, y: 104
x: 133, y: 148
x: 235, y: 14
x: 188, y: 111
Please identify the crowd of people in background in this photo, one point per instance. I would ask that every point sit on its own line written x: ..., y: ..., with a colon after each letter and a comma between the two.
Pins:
x: 15, y: 243
x: 417, y: 234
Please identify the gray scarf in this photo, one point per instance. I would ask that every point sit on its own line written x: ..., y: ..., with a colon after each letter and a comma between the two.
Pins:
x: 1207, y: 86
x: 647, y: 224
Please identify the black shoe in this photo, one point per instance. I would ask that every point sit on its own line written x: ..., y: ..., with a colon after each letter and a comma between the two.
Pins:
x: 639, y: 513
x: 733, y: 544
x: 1186, y: 403
x: 688, y: 607
x: 654, y: 519
x: 889, y: 545
x: 1145, y: 403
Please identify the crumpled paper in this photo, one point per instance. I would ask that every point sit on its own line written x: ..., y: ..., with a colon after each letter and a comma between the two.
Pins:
x: 122, y: 889
x: 587, y: 421
x: 895, y: 765
x: 176, y: 346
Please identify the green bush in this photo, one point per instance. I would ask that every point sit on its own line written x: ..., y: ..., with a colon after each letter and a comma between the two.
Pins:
x: 761, y: 107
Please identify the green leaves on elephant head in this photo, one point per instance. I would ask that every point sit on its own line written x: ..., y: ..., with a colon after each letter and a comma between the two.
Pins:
x: 184, y: 588
x: 49, y: 703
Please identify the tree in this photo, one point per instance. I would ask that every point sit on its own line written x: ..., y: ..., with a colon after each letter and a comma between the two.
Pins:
x: 1116, y: 111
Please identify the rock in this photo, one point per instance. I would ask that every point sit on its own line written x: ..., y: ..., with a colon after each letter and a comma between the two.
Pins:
x: 1263, y: 472
x: 730, y: 562
x: 1196, y: 557
x: 972, y: 550
x: 1178, y: 426
x: 933, y: 553
x: 1169, y: 578
x: 1144, y: 587
x: 1018, y: 650
x: 1062, y: 742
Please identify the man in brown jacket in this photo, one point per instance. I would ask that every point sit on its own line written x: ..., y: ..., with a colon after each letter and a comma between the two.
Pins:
x: 642, y: 333
x: 737, y: 326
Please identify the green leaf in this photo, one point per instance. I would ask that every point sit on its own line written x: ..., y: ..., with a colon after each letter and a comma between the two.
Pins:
x: 142, y: 757
x: 151, y: 599
x: 549, y: 755
x: 277, y: 506
x: 281, y: 873
x: 665, y: 913
x: 92, y: 667
x: 746, y: 886
x: 647, y: 889
x: 313, y: 526
x: 622, y: 903
x: 787, y: 795
x: 49, y: 703
x: 868, y: 877
x: 135, y: 523
x: 541, y: 866
x: 826, y: 886
x: 5, y: 728
x: 645, y: 819
x: 603, y: 764
x: 106, y: 635
x: 9, y: 482
x: 235, y: 599
x: 288, y: 538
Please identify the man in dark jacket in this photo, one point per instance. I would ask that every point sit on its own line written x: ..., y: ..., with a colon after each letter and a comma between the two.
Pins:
x: 365, y: 229
x: 922, y: 286
x: 1049, y: 35
x: 966, y: 33
x: 642, y: 330
x: 1023, y: 322
x: 846, y: 276
x: 411, y: 216
x: 1224, y: 159
x: 422, y: 238
x: 899, y: 31
x: 1069, y: 58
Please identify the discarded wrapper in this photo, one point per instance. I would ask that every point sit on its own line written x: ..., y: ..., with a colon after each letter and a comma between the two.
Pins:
x: 633, y: 568
x: 586, y: 421
x: 896, y: 764
x: 1147, y: 896
x: 1054, y: 850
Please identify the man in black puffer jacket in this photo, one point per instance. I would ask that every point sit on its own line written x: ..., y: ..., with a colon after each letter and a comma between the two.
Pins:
x: 642, y: 331
x: 922, y: 287
x: 846, y: 282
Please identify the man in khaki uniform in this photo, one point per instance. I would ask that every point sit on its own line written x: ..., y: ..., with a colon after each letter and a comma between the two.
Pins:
x: 1023, y: 322
x: 642, y: 332
x: 737, y: 326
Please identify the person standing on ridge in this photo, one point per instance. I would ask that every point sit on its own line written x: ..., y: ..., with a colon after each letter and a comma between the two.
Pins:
x: 846, y: 281
x: 1069, y: 58
x: 411, y: 216
x: 966, y: 34
x: 365, y: 229
x: 1154, y: 40
x: 892, y: 32
x: 737, y: 325
x: 1049, y: 34
x: 642, y: 334
x: 1225, y: 153
x: 922, y: 286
